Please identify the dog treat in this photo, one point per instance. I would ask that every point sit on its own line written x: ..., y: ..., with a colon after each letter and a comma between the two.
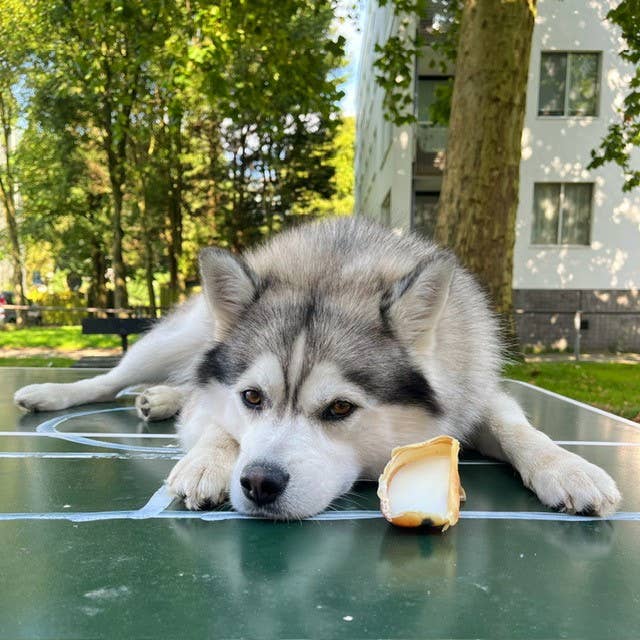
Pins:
x: 421, y: 485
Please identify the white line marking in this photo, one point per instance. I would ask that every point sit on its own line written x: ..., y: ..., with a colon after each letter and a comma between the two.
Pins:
x: 104, y: 435
x: 597, y: 443
x: 169, y: 454
x: 133, y: 390
x: 217, y: 516
x: 156, y: 504
x: 82, y: 455
x: 95, y: 434
x: 174, y: 436
x: 577, y: 403
x: 49, y: 427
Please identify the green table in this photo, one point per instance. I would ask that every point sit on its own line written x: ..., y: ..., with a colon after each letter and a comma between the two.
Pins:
x: 92, y: 546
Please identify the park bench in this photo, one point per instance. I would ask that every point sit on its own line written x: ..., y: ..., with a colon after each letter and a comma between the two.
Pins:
x: 123, y: 327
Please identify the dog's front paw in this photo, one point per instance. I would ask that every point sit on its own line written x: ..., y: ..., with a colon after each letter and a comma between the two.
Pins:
x: 200, y: 480
x: 42, y: 397
x: 158, y: 403
x: 569, y: 483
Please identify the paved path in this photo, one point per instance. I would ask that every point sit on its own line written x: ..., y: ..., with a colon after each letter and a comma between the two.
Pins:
x: 619, y: 358
x: 44, y: 352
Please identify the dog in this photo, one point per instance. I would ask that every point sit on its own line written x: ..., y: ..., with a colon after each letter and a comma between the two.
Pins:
x: 303, y: 363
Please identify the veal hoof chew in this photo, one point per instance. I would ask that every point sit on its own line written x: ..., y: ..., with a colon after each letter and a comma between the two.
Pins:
x: 421, y: 485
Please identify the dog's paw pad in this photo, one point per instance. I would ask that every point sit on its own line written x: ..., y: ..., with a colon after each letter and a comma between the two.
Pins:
x: 158, y: 403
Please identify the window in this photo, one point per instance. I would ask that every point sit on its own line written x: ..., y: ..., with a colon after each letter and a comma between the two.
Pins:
x: 569, y: 84
x: 562, y: 213
x: 425, y: 212
x: 427, y: 95
x: 431, y: 131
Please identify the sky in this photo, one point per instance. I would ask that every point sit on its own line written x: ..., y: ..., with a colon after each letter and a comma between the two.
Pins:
x: 352, y: 32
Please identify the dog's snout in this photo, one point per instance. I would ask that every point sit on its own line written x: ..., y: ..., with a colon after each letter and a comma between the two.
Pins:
x: 263, y: 483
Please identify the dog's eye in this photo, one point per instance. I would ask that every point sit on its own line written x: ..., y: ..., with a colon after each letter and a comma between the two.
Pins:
x: 338, y: 409
x: 252, y: 398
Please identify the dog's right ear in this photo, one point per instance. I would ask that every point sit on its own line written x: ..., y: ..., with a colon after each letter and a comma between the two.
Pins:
x: 413, y: 305
x: 229, y: 287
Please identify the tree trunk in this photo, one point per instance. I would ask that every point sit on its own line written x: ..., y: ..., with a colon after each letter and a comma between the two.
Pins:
x: 479, y: 194
x: 116, y: 157
x: 143, y: 213
x: 7, y: 193
x: 120, y: 297
x: 175, y: 234
x: 98, y: 288
x: 175, y: 214
x: 16, y: 258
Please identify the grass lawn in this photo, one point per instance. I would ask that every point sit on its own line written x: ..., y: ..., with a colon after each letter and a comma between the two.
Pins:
x: 61, y: 338
x: 35, y: 361
x: 609, y: 386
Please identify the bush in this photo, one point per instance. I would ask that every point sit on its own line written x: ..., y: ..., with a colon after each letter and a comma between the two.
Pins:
x: 63, y: 299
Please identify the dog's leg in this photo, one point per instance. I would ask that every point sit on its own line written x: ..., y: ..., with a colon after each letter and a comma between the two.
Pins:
x: 160, y: 402
x: 167, y: 350
x: 561, y: 479
x: 202, y: 477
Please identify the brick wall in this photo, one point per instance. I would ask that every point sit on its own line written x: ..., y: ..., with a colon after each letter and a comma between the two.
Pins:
x: 546, y: 318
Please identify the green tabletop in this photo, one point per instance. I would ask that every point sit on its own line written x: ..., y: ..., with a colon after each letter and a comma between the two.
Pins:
x: 93, y: 546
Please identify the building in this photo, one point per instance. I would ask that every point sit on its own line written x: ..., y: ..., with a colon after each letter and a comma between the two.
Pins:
x: 577, y: 234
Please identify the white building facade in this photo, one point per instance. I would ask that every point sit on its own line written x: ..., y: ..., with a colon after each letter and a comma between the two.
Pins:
x: 577, y: 234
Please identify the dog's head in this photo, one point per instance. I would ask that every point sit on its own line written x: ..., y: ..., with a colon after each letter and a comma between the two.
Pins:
x: 316, y: 381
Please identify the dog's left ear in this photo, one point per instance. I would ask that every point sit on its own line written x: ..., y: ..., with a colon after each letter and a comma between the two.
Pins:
x: 229, y: 286
x: 414, y: 303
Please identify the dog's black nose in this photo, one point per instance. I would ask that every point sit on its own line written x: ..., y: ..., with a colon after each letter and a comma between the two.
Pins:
x: 263, y: 483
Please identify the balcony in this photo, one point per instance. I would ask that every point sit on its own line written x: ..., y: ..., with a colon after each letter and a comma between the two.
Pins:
x: 431, y: 142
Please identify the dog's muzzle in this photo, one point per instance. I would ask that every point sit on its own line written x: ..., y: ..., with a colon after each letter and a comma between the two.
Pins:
x: 263, y: 483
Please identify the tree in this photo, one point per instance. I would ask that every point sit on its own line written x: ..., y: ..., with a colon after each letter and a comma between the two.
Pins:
x: 101, y: 51
x: 152, y: 128
x: 65, y: 199
x: 340, y: 202
x: 479, y: 194
x: 275, y: 95
x: 15, y: 43
x: 623, y: 138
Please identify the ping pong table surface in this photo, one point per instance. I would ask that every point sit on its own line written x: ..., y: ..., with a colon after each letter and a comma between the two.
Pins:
x: 93, y: 546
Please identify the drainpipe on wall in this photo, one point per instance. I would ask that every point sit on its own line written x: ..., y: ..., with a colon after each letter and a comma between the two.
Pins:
x: 577, y: 323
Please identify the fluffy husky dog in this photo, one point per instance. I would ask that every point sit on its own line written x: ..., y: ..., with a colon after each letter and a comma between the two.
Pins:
x: 304, y: 363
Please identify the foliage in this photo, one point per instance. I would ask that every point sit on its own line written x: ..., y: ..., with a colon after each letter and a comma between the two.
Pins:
x: 342, y: 181
x: 609, y: 386
x: 277, y: 119
x: 153, y: 128
x: 432, y: 24
x: 16, y: 40
x: 623, y: 138
x: 59, y: 299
